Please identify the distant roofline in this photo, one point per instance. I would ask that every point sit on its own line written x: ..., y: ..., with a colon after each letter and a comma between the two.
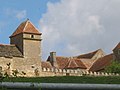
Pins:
x: 86, y: 54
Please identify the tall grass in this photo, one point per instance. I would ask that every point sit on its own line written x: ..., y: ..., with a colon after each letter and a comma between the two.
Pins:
x: 68, y: 79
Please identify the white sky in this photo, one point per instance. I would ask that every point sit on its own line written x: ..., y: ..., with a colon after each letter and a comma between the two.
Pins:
x: 73, y: 27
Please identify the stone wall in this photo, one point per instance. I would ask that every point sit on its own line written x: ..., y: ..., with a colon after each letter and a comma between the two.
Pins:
x: 5, y: 64
x: 31, y: 66
x: 28, y: 66
x: 63, y: 72
x: 32, y: 46
x: 18, y: 41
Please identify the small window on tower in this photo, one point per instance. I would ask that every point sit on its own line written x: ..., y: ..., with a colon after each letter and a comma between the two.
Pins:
x: 32, y: 36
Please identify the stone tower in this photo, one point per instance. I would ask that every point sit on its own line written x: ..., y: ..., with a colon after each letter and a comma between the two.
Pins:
x: 28, y: 39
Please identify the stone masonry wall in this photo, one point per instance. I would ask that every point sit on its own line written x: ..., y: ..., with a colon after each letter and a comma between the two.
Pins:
x: 32, y: 46
x: 4, y: 64
x: 18, y: 41
x: 46, y: 72
x: 31, y: 66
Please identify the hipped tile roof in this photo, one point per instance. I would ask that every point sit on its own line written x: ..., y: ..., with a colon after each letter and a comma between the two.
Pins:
x: 61, y: 62
x: 87, y: 62
x: 101, y: 63
x: 66, y: 62
x: 88, y: 55
x: 74, y: 64
x: 26, y: 27
x: 9, y: 51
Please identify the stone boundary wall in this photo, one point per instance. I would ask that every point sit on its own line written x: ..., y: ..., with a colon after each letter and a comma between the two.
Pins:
x: 66, y: 72
x: 50, y: 72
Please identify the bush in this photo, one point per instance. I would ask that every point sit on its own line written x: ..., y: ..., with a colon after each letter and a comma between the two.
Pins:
x: 113, y: 68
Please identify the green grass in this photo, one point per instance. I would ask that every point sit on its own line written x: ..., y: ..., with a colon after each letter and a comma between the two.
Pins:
x: 68, y: 79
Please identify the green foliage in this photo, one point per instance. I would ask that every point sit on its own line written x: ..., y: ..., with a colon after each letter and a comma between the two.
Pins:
x: 113, y: 68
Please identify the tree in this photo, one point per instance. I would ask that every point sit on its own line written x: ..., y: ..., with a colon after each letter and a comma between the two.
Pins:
x: 114, y: 67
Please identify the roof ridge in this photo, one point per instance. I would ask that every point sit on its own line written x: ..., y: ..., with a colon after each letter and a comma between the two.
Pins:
x: 67, y: 63
x: 80, y: 62
x: 26, y: 22
x: 93, y: 63
x: 34, y: 26
x: 75, y: 63
x: 70, y: 61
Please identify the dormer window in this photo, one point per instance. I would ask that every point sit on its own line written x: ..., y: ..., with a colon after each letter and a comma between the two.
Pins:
x: 32, y: 36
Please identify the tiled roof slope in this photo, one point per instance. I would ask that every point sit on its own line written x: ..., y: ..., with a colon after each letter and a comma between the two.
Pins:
x: 117, y: 47
x: 87, y: 62
x: 101, y: 63
x: 46, y: 64
x: 62, y: 62
x: 65, y: 63
x: 26, y: 27
x: 9, y: 51
x: 88, y: 55
x: 75, y: 63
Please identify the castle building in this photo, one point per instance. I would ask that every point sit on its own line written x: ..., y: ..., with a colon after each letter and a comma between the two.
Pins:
x: 24, y: 52
x: 23, y: 56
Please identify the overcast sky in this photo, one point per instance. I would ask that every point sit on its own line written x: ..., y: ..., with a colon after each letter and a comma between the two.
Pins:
x: 72, y: 27
x: 69, y: 27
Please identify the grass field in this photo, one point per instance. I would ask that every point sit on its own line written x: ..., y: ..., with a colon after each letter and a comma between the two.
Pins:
x: 68, y: 79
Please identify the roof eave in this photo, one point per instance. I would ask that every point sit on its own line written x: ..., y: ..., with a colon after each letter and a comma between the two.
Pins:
x: 25, y: 33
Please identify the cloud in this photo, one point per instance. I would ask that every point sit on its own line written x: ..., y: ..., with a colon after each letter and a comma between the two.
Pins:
x: 19, y: 14
x: 72, y: 27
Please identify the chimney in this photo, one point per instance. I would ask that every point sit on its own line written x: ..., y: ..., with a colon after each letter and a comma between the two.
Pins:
x: 53, y: 58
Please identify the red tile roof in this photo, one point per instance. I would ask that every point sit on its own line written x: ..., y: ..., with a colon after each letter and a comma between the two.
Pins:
x: 87, y: 62
x: 74, y: 64
x: 26, y: 27
x: 80, y: 64
x: 88, y: 55
x: 117, y: 47
x: 65, y: 62
x: 101, y: 63
x: 62, y: 62
x: 46, y: 64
